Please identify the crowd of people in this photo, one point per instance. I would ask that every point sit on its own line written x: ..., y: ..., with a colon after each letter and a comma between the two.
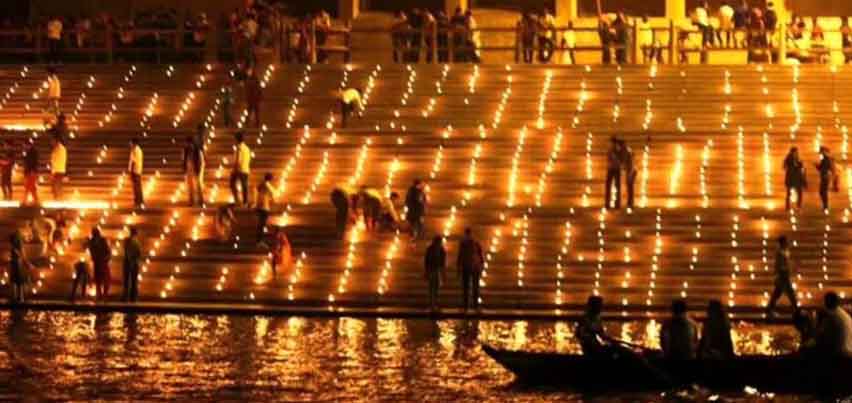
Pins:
x: 421, y: 35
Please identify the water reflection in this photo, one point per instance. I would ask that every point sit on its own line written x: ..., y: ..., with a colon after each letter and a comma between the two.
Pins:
x: 66, y: 356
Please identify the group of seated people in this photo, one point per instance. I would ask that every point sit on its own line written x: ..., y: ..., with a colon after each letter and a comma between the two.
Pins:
x: 828, y: 335
x: 377, y: 210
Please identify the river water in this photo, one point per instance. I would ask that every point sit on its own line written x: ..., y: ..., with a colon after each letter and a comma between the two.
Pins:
x: 127, y: 357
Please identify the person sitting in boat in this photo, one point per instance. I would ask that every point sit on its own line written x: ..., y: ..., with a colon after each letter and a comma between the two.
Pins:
x: 834, y: 333
x: 590, y: 331
x: 679, y: 336
x: 716, y: 340
x: 803, y: 322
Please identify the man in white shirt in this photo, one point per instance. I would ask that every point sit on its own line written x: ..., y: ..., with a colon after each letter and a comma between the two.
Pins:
x: 240, y: 170
x: 834, y: 335
x: 54, y: 38
x: 58, y: 164
x: 54, y: 91
x: 726, y: 23
x: 134, y: 166
x: 350, y: 99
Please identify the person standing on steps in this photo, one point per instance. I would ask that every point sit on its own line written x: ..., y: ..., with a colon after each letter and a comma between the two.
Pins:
x: 31, y: 174
x: 613, y: 175
x: 469, y: 264
x: 18, y: 267
x: 827, y: 175
x: 130, y: 266
x: 134, y: 167
x: 263, y: 206
x: 350, y: 101
x: 240, y: 170
x: 629, y: 171
x: 193, y: 171
x: 340, y: 199
x: 435, y: 263
x: 58, y: 165
x: 254, y: 96
x: 100, y: 253
x: 81, y: 279
x: 794, y: 177
x: 7, y: 167
x: 783, y: 277
x: 54, y: 91
x: 415, y: 204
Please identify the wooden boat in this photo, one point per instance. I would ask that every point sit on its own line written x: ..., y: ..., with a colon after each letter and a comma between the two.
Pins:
x: 780, y: 374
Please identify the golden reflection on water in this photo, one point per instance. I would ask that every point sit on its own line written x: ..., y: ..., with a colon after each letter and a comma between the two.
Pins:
x: 66, y: 356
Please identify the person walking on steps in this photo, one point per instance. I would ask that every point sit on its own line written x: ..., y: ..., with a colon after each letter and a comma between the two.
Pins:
x: 350, y: 101
x: 134, y: 167
x: 54, y: 92
x: 130, y: 266
x: 469, y: 264
x: 228, y: 104
x: 783, y: 277
x: 31, y: 175
x: 629, y: 171
x: 613, y: 175
x: 263, y: 206
x: 794, y: 178
x: 254, y: 96
x: 58, y: 167
x: 827, y: 175
x: 415, y: 203
x: 193, y: 171
x: 7, y: 167
x: 240, y: 170
x: 435, y: 263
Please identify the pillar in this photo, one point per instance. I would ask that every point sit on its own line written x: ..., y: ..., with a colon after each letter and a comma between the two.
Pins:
x: 566, y: 10
x: 451, y: 5
x: 348, y: 10
x: 676, y: 9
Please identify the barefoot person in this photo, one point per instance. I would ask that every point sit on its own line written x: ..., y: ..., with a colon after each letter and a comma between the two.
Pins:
x: 783, y: 275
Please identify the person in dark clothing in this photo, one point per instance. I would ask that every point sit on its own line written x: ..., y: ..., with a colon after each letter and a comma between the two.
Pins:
x: 435, y: 263
x: 620, y: 38
x: 254, y: 96
x: 605, y: 34
x: 770, y: 17
x: 846, y: 40
x: 629, y: 172
x: 803, y: 322
x: 741, y: 21
x: 443, y: 24
x: 7, y: 167
x: 399, y: 36
x: 81, y: 280
x: 18, y: 267
x: 590, y: 332
x: 429, y: 25
x: 459, y: 26
x: 100, y: 253
x: 679, y: 335
x: 130, y: 266
x: 794, y: 177
x: 340, y: 200
x: 370, y: 202
x: 31, y: 174
x: 193, y: 170
x: 470, y: 263
x: 527, y: 28
x: 783, y: 277
x: 415, y: 203
x: 417, y: 23
x: 716, y: 342
x: 613, y: 175
x: 227, y: 104
x: 827, y: 175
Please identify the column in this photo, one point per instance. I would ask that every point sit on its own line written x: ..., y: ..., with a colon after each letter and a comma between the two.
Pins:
x: 348, y: 10
x: 676, y: 9
x: 566, y: 10
x: 450, y: 6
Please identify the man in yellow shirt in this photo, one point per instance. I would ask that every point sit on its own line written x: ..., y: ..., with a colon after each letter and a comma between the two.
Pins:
x: 240, y: 170
x: 350, y: 101
x: 54, y: 39
x: 134, y: 166
x: 58, y: 164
